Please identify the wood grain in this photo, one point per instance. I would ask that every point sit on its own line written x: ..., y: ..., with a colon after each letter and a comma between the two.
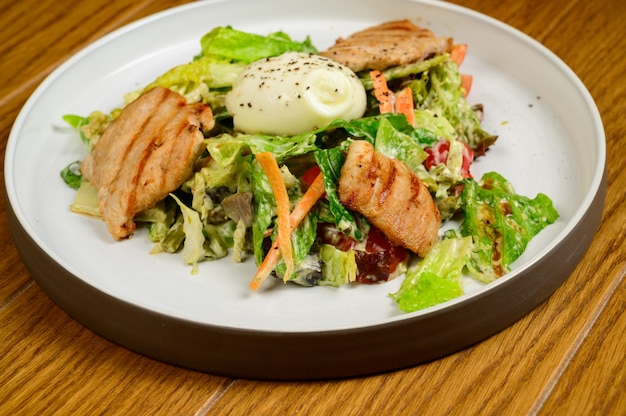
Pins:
x: 600, y: 358
x: 40, y: 35
x: 565, y: 357
x: 52, y: 365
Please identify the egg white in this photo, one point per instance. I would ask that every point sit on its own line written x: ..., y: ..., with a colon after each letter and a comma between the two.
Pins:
x: 294, y: 93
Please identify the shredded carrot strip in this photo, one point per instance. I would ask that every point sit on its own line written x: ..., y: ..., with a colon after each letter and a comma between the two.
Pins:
x: 266, y: 267
x: 404, y: 104
x: 388, y: 102
x: 275, y: 177
x: 382, y: 92
x: 309, y: 199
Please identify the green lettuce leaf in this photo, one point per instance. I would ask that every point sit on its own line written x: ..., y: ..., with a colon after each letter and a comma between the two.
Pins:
x: 71, y: 175
x: 248, y: 47
x: 283, y: 147
x: 438, y: 89
x: 159, y: 219
x: 501, y: 222
x: 398, y: 145
x: 195, y: 80
x: 437, y: 277
x: 193, y: 245
x: 338, y: 267
x: 330, y: 162
x: 367, y: 128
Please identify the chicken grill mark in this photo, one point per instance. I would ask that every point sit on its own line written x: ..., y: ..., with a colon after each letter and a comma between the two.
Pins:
x: 390, y: 196
x: 144, y: 154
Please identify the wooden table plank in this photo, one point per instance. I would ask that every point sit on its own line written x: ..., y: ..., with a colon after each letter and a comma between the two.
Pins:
x: 50, y: 364
x: 583, y: 387
x: 40, y: 35
x: 536, y: 18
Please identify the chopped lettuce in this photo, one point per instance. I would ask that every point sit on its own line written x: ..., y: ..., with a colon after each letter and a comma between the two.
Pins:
x: 71, y: 175
x: 89, y: 128
x: 193, y: 246
x: 338, y: 267
x: 159, y: 218
x: 197, y: 80
x: 78, y: 122
x: 86, y: 200
x: 501, y: 222
x: 437, y: 277
x: 398, y: 145
x: 302, y: 239
x: 219, y: 238
x: 438, y: 127
x: 368, y: 127
x: 283, y: 147
x: 264, y: 208
x: 234, y: 175
x: 173, y: 238
x: 240, y: 241
x: 213, y: 71
x: 438, y: 89
x: 330, y: 162
x: 248, y: 47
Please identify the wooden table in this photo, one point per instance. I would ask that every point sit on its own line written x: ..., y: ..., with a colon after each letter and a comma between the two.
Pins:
x: 565, y: 357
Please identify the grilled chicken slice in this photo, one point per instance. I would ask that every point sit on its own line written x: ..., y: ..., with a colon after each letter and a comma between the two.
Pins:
x: 144, y: 154
x: 390, y: 196
x: 394, y: 43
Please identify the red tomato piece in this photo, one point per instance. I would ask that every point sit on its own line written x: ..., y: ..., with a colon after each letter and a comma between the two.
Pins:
x: 310, y: 175
x: 439, y: 154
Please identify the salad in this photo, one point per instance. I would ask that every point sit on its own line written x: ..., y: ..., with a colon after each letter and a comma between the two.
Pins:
x: 326, y: 168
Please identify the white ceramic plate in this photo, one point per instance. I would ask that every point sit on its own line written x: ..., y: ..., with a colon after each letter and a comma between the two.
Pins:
x: 551, y: 140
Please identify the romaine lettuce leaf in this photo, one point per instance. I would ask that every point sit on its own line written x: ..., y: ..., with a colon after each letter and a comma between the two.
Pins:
x: 195, y: 79
x: 338, y: 267
x: 437, y: 277
x: 86, y: 200
x: 397, y: 145
x: 501, y: 222
x: 246, y: 47
x: 159, y: 219
x: 265, y: 216
x: 264, y: 209
x: 283, y: 147
x: 302, y: 239
x: 330, y: 162
x: 234, y: 175
x: 193, y: 246
x: 90, y: 128
x: 438, y: 89
x: 367, y: 128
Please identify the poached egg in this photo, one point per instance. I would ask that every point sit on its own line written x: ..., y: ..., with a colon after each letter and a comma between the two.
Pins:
x: 294, y: 93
